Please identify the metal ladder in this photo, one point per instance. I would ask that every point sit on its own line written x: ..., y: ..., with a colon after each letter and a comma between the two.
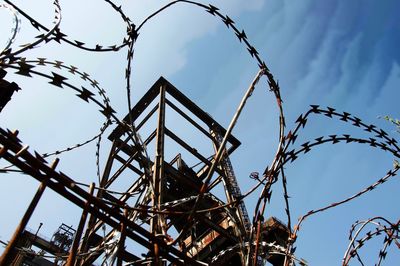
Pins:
x: 232, y: 184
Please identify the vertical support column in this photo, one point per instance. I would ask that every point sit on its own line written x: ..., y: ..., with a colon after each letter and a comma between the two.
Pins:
x: 255, y: 256
x: 72, y: 253
x: 121, y: 243
x: 84, y: 246
x: 102, y: 183
x: 5, y: 259
x: 158, y: 173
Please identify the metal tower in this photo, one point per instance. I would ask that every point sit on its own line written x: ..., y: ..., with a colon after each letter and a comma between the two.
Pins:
x: 169, y: 213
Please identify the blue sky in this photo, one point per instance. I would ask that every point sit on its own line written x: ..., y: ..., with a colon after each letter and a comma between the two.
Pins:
x: 342, y: 54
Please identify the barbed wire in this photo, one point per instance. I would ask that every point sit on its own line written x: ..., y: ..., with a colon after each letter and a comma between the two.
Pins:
x: 60, y: 36
x: 10, y: 59
x: 16, y: 26
x: 390, y: 230
x: 10, y: 55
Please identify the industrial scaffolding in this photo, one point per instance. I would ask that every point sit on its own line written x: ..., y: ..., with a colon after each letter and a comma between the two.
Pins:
x: 168, y: 196
x: 170, y: 211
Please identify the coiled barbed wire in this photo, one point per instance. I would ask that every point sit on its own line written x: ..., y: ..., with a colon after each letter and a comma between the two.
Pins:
x: 14, y: 30
x: 283, y: 156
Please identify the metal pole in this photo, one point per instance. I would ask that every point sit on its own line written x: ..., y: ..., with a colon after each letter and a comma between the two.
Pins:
x: 158, y: 175
x: 255, y: 258
x: 72, y: 254
x: 121, y: 242
x: 92, y: 219
x: 6, y: 257
x: 64, y: 186
x: 37, y: 232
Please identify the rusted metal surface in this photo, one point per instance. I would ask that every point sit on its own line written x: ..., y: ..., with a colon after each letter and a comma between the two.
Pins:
x: 168, y: 208
x: 6, y: 256
x: 162, y: 174
x: 77, y: 238
x: 64, y: 185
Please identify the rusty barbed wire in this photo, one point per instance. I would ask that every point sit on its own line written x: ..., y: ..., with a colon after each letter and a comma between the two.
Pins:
x: 10, y: 59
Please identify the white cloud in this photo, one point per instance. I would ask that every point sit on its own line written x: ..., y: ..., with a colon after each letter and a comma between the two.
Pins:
x: 387, y: 100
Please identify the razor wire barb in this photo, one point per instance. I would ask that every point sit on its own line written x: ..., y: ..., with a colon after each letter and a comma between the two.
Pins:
x: 11, y: 59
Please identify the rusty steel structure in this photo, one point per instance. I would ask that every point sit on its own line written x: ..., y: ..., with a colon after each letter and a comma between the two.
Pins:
x: 171, y: 213
x: 163, y: 196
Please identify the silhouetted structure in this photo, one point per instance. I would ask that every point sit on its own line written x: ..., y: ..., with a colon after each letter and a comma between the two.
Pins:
x: 7, y: 89
x: 26, y: 253
x: 160, y: 208
x: 180, y: 205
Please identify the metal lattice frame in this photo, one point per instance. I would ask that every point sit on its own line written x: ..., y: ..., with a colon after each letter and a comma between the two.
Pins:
x: 103, y: 207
